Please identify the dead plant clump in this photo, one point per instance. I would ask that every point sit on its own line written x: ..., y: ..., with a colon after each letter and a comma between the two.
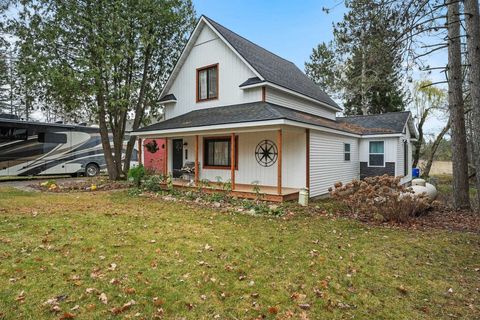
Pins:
x: 381, y: 198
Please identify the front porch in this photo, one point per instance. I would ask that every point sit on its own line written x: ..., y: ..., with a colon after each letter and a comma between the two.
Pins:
x: 244, y: 191
x: 271, y: 163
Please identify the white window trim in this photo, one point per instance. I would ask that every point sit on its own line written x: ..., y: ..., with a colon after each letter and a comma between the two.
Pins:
x: 349, y: 152
x: 383, y: 153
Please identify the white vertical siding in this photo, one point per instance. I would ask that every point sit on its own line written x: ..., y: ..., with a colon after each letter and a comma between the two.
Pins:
x: 399, y: 164
x: 208, y: 50
x: 294, y: 171
x: 327, y: 164
x: 297, y: 103
x: 293, y: 164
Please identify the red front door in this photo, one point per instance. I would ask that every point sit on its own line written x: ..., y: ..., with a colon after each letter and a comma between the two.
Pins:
x: 154, y: 154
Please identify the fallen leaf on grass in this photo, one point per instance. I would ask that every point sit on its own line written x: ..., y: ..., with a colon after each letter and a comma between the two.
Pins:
x: 324, y: 284
x: 67, y: 315
x: 21, y: 297
x: 129, y: 290
x: 103, y: 298
x: 157, y: 301
x: 273, y: 310
x: 298, y: 296
x: 402, y: 289
x: 91, y: 306
x: 304, y: 306
x: 112, y: 266
x: 158, y: 314
x: 126, y: 306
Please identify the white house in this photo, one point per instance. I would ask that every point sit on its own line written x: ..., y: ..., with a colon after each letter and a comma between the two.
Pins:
x: 240, y: 113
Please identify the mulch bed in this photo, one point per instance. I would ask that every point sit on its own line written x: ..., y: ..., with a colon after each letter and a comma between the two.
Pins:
x: 439, y: 217
x: 449, y: 219
x: 83, y: 186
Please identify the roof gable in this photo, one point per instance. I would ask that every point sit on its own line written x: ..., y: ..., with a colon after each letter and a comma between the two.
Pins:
x: 267, y: 66
x: 273, y: 68
x: 192, y: 41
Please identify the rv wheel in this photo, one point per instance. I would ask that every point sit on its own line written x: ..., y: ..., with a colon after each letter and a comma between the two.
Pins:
x: 92, y: 170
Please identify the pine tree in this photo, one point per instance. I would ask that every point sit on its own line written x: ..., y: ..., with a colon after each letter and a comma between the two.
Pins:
x: 364, y: 60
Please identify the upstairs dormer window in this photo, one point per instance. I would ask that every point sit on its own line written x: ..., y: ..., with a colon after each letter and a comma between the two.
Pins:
x: 207, y: 83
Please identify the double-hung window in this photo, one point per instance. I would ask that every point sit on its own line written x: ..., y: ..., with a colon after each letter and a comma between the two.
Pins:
x: 217, y: 152
x: 346, y: 151
x: 207, y: 83
x: 376, y: 156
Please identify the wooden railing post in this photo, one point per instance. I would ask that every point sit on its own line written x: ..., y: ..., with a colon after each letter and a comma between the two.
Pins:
x: 279, y: 161
x: 165, y: 163
x: 196, y: 160
x: 140, y: 153
x: 232, y: 160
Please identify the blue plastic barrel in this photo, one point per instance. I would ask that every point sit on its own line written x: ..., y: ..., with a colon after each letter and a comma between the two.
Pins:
x: 416, y: 172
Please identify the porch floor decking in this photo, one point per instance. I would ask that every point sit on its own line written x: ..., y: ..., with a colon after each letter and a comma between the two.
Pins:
x: 269, y: 193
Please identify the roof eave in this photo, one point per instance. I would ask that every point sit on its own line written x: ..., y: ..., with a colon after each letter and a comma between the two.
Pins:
x: 278, y: 87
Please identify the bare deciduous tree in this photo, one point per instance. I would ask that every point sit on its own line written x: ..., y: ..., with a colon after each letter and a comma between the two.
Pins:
x: 456, y: 105
x: 472, y: 22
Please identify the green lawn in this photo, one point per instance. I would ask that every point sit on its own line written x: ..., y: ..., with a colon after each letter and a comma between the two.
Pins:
x: 201, y: 264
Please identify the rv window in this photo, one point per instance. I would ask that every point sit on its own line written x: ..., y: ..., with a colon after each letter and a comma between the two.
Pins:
x: 48, y: 137
x: 12, y: 134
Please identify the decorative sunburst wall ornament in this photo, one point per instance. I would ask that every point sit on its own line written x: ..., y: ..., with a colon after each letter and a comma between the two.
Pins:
x: 266, y: 153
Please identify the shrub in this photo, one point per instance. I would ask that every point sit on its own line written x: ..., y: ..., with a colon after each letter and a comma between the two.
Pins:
x: 152, y: 183
x: 381, y: 198
x: 136, y: 174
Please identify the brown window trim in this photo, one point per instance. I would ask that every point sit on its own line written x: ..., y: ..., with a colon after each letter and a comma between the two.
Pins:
x: 197, y: 84
x: 205, y: 139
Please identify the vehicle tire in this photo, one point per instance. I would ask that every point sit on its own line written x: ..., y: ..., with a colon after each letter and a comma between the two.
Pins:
x: 92, y: 170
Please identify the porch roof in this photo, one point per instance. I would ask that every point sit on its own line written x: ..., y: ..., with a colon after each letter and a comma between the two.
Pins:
x: 243, y: 113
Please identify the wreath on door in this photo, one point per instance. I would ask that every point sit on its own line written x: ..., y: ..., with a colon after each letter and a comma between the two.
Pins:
x: 152, y: 146
x: 266, y: 153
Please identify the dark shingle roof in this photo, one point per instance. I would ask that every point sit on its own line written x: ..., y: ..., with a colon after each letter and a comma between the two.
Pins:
x: 391, y: 122
x: 168, y: 97
x: 273, y: 68
x: 251, y: 81
x: 246, y: 112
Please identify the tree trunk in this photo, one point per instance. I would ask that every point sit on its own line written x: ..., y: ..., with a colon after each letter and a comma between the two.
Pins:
x: 139, y: 110
x: 418, y: 144
x: 102, y: 122
x: 473, y: 47
x: 456, y: 106
x: 436, y: 143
